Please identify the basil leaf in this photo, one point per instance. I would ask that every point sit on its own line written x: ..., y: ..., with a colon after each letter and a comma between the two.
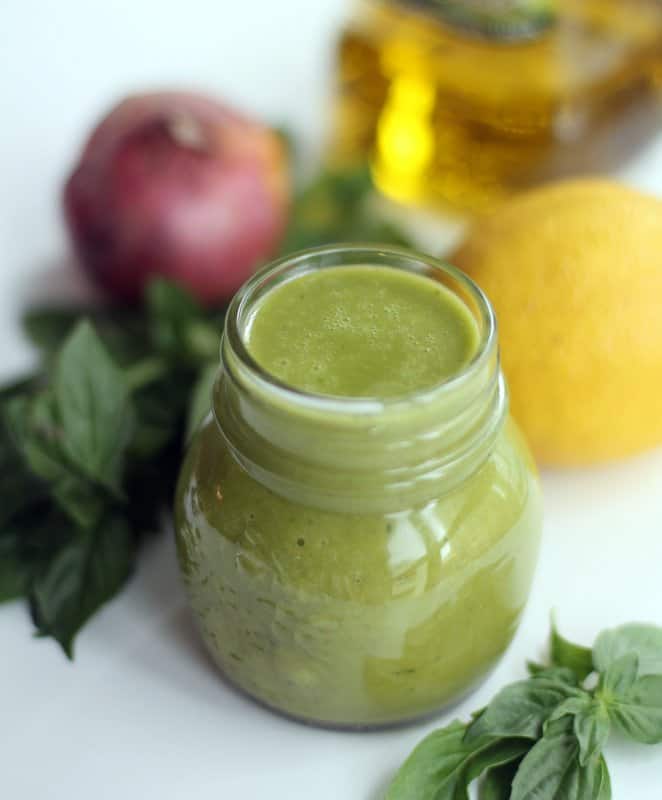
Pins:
x: 570, y: 707
x: 159, y: 423
x: 20, y: 489
x: 572, y: 656
x: 645, y: 641
x: 562, y: 674
x: 444, y: 764
x: 620, y: 675
x: 178, y: 327
x: 37, y: 435
x: 29, y: 383
x: 201, y: 398
x: 590, y: 724
x: 27, y: 542
x: 323, y: 207
x: 47, y: 328
x: 638, y: 713
x: 433, y: 771
x: 123, y: 332
x: 82, y: 576
x: 551, y: 769
x: 83, y: 503
x: 591, y: 727
x: 604, y: 792
x: 496, y: 754
x: 151, y: 487
x: 15, y: 573
x: 335, y: 207
x: 521, y: 709
x: 94, y: 406
x: 498, y: 782
x: 170, y: 309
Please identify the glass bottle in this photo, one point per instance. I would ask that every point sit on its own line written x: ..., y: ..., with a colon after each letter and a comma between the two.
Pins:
x: 465, y: 101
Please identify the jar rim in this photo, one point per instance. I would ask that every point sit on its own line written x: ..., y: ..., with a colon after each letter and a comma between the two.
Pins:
x: 303, y: 261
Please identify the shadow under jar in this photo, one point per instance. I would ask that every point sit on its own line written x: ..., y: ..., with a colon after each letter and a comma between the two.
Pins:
x: 362, y: 559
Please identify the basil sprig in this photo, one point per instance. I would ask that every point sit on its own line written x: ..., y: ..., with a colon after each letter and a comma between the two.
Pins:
x: 544, y: 737
x: 90, y: 447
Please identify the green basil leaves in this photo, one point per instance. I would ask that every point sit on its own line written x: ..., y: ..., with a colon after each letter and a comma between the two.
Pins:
x: 544, y: 737
x: 90, y: 449
x: 445, y: 763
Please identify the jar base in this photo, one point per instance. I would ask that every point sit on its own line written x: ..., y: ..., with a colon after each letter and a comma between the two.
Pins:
x: 353, y: 727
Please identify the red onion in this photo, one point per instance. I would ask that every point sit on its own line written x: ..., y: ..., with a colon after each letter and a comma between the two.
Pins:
x: 179, y: 186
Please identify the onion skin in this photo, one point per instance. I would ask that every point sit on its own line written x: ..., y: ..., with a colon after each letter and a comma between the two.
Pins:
x: 176, y: 185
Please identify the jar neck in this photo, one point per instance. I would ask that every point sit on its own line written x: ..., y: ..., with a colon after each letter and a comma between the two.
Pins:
x: 494, y: 19
x: 359, y: 454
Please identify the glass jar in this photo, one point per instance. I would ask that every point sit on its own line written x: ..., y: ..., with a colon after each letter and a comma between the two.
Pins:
x: 357, y: 562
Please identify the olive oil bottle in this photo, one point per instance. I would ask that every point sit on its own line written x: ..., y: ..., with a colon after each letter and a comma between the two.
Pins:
x: 465, y: 101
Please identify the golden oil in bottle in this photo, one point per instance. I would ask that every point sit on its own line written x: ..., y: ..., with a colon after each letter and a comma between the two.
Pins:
x: 465, y: 101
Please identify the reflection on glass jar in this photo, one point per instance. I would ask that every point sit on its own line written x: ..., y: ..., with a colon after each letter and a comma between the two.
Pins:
x: 358, y: 560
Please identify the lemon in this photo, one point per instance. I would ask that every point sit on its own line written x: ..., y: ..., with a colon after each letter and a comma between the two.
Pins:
x: 574, y: 271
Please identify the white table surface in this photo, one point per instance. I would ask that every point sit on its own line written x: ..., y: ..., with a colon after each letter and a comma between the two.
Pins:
x: 141, y: 714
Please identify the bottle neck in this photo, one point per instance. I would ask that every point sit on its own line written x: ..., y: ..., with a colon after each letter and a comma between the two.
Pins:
x: 360, y: 455
x: 494, y: 19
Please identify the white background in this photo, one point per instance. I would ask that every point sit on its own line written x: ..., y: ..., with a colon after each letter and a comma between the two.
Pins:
x: 141, y: 714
